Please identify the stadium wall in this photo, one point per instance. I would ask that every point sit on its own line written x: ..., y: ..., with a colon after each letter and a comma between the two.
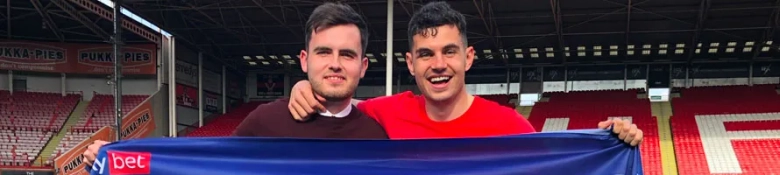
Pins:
x: 560, y: 86
x: 187, y: 103
x: 48, y: 82
x: 267, y: 86
x: 130, y: 86
x: 185, y: 116
x: 189, y: 64
x: 41, y: 82
x: 160, y: 110
x: 235, y: 86
x: 723, y: 81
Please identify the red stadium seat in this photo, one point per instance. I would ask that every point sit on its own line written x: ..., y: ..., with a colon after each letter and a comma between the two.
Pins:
x: 27, y: 122
x: 102, y: 107
x: 716, y: 130
x: 224, y: 125
x: 583, y: 110
x: 727, y: 130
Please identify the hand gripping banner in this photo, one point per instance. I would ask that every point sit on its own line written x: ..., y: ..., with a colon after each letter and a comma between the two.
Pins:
x: 596, y: 152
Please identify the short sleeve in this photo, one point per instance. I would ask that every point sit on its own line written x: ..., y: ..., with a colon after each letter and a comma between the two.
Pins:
x: 374, y: 107
x: 510, y: 121
x: 523, y: 126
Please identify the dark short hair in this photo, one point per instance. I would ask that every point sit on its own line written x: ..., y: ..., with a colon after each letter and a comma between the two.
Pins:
x: 432, y: 15
x: 333, y: 14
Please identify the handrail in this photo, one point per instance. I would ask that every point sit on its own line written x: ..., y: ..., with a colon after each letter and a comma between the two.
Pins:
x: 54, y: 114
x: 99, y: 111
x: 89, y: 119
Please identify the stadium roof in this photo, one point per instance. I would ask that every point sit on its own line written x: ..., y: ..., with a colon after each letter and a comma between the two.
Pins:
x: 502, y: 31
x: 270, y: 33
x: 57, y: 21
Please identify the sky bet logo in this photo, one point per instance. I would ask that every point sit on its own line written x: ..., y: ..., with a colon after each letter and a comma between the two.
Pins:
x: 123, y: 163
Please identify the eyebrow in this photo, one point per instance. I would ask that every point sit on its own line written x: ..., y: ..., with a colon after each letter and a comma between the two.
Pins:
x: 348, y: 51
x: 321, y: 48
x: 451, y: 46
x: 446, y: 47
x: 422, y: 49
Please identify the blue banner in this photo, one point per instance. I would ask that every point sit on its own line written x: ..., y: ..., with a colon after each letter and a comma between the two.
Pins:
x: 596, y: 152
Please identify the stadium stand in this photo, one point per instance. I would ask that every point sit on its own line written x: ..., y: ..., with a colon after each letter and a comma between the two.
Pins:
x: 224, y: 125
x: 575, y: 110
x: 744, y: 119
x: 99, y: 113
x: 583, y: 110
x: 28, y: 121
x: 727, y: 130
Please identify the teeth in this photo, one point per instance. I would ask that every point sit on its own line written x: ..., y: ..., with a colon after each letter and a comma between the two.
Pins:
x: 334, y: 78
x: 437, y: 79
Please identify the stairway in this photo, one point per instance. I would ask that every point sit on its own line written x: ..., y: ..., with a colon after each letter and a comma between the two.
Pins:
x: 73, y: 119
x: 524, y: 110
x: 655, y: 109
x: 663, y: 112
x: 642, y: 95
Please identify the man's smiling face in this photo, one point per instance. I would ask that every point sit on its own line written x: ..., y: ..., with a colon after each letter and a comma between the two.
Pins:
x: 333, y: 61
x: 439, y: 60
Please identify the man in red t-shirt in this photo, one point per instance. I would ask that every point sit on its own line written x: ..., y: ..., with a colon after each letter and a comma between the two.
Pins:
x: 438, y: 59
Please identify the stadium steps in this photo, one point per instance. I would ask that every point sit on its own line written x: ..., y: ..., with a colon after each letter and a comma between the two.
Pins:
x: 524, y: 110
x: 659, y: 109
x: 655, y: 109
x: 641, y: 95
x: 667, y: 109
x: 663, y: 112
x: 73, y: 119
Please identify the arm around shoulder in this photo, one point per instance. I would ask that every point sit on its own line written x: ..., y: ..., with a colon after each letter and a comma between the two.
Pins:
x: 373, y: 106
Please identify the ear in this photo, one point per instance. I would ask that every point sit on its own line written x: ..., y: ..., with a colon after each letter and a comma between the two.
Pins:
x: 469, y: 57
x: 409, y: 62
x: 364, y: 62
x: 303, y: 58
